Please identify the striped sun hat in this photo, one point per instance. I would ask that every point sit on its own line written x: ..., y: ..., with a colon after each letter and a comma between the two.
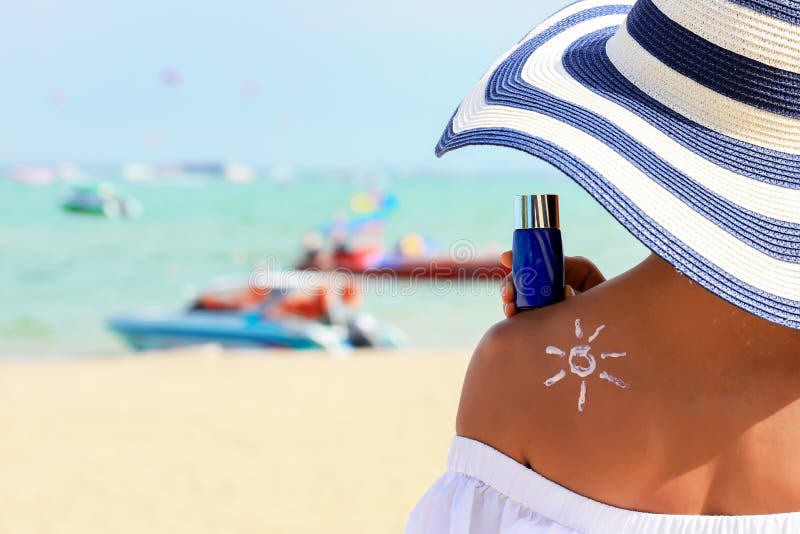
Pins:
x: 681, y: 117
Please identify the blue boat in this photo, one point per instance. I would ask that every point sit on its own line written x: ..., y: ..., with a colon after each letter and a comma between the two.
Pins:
x: 284, y: 315
x: 148, y: 331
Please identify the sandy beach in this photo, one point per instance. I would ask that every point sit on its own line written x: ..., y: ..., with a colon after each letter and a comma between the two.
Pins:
x: 210, y: 441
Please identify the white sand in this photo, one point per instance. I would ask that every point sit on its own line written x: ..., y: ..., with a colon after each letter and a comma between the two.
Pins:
x: 204, y: 442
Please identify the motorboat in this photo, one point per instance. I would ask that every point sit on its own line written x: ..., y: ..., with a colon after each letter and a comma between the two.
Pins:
x: 100, y: 199
x: 291, y: 312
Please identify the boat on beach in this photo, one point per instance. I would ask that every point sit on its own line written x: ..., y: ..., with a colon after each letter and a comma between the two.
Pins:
x: 288, y: 312
x: 159, y: 331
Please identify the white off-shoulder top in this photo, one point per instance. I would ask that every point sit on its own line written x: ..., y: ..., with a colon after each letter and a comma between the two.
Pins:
x: 485, y: 491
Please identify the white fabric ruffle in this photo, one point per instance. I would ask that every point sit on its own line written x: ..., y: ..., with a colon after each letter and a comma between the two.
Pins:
x: 485, y: 491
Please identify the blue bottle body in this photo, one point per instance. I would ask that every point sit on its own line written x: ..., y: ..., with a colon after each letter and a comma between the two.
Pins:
x: 538, y: 269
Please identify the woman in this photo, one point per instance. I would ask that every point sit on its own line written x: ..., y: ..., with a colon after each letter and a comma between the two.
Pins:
x: 663, y: 400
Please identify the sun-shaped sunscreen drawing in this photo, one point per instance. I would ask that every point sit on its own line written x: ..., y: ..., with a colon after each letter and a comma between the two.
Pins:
x: 583, y: 363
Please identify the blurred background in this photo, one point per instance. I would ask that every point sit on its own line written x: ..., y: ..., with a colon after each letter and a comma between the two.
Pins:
x: 235, y: 128
x: 154, y: 157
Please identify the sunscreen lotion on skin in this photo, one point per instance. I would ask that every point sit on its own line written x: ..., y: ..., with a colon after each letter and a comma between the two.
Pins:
x: 538, y: 267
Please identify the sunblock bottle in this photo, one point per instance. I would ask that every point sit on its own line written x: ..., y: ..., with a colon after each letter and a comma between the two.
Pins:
x: 538, y: 267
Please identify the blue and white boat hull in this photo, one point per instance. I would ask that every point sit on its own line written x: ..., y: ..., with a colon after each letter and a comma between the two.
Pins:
x: 235, y: 330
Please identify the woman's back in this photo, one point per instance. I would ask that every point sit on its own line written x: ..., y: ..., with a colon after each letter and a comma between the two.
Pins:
x: 649, y: 392
x: 646, y: 393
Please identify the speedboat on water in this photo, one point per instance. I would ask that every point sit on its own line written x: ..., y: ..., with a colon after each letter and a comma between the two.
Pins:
x: 486, y: 268
x: 100, y: 199
x: 413, y: 259
x: 354, y: 245
x: 290, y: 312
x: 159, y: 331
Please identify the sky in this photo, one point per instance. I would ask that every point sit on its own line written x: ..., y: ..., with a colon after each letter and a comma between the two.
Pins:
x: 355, y: 84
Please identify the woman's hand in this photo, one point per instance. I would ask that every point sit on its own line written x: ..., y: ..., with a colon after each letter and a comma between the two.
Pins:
x: 580, y: 274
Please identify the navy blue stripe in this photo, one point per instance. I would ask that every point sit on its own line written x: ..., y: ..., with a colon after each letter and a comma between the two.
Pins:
x: 771, y: 307
x: 506, y: 87
x: 779, y: 310
x: 788, y: 10
x: 588, y: 62
x: 719, y: 69
x: 759, y: 163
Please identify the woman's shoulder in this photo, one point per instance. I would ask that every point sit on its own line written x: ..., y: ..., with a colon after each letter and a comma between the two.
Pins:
x: 548, y: 368
x: 633, y: 405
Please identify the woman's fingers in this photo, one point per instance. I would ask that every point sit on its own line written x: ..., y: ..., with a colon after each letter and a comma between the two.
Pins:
x: 510, y: 309
x: 581, y: 273
x: 507, y: 289
x: 506, y: 258
x: 507, y: 286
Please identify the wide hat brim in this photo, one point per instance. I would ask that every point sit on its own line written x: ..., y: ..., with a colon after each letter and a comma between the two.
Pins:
x: 723, y: 211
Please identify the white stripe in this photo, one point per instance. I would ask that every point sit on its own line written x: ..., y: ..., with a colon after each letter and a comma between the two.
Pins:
x: 739, y: 29
x: 545, y: 70
x: 570, y: 10
x: 719, y: 247
x: 699, y: 103
x: 767, y: 199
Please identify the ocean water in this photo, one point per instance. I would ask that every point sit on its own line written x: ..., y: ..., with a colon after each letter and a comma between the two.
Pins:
x: 62, y: 275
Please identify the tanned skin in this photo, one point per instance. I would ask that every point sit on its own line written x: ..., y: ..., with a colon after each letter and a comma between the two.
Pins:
x: 709, y: 425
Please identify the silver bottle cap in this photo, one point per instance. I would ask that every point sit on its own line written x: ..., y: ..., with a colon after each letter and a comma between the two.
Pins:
x: 536, y: 211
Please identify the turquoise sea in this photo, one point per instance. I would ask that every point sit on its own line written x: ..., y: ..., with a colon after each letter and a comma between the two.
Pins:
x: 62, y: 274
